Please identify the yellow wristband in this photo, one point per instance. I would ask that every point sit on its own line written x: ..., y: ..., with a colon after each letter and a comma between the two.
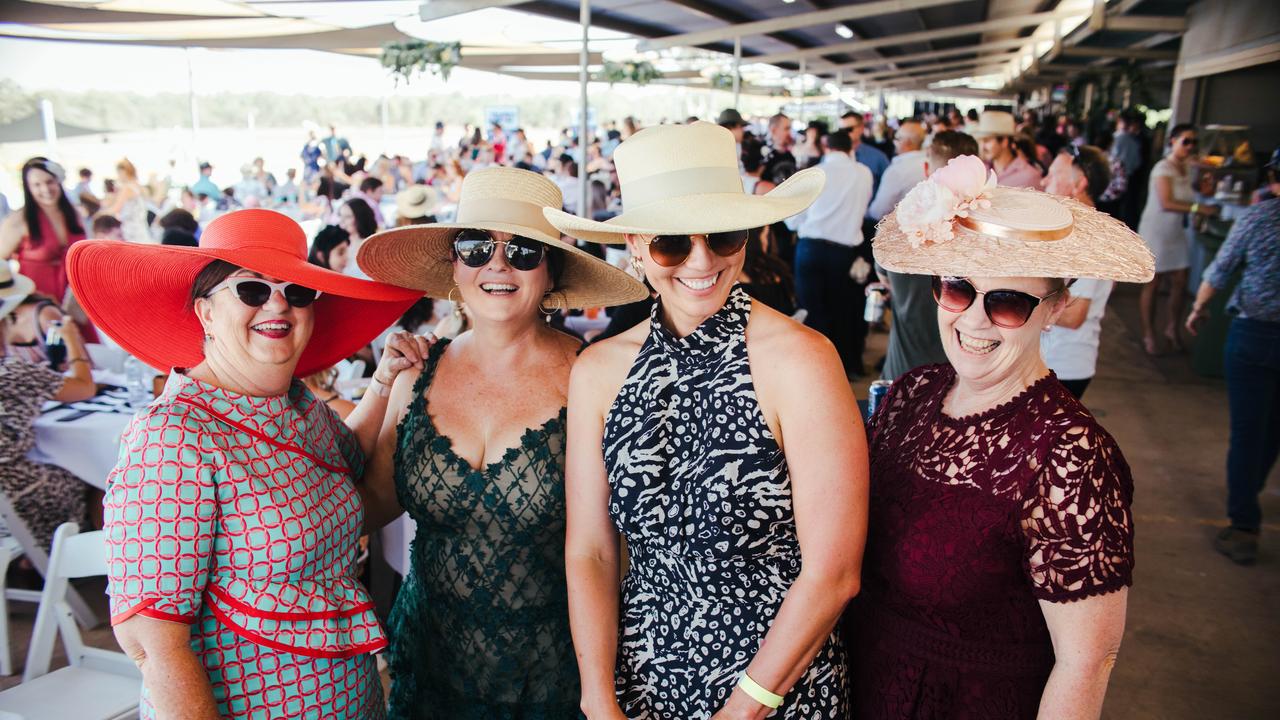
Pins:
x: 758, y: 693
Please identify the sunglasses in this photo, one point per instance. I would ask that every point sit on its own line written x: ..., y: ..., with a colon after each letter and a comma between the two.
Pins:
x: 475, y: 249
x: 1009, y: 309
x: 255, y: 292
x: 672, y: 250
x: 1189, y: 142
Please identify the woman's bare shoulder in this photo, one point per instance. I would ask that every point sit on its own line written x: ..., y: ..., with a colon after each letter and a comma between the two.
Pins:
x: 775, y: 338
x: 603, y: 366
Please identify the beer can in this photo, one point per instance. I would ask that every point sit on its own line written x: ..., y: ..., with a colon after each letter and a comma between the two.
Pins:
x: 876, y: 394
x: 874, y: 311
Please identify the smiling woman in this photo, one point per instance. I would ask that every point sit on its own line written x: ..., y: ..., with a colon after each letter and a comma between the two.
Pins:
x: 237, y: 472
x: 721, y: 441
x: 1002, y: 538
x: 477, y: 440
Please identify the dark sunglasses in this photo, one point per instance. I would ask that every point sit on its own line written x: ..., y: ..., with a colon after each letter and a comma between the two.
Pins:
x: 255, y: 292
x: 671, y: 250
x: 1189, y: 142
x: 475, y: 249
x: 1008, y: 309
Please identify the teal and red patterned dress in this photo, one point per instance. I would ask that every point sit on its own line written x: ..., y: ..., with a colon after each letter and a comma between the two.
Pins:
x: 238, y: 515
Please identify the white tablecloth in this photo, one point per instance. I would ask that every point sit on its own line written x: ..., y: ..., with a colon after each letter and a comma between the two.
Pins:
x: 87, y: 446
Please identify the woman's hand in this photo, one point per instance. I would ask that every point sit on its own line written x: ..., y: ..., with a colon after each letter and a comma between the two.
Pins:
x: 403, y: 351
x: 1197, y: 315
x: 741, y: 706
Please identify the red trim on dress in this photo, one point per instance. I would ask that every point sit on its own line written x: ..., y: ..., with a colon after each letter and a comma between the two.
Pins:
x: 145, y: 609
x: 254, y: 433
x: 240, y: 606
x: 373, y: 646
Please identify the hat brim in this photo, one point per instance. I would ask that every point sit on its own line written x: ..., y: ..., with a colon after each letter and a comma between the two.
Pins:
x: 698, y: 214
x: 23, y: 286
x: 140, y: 295
x: 421, y: 257
x: 1099, y: 246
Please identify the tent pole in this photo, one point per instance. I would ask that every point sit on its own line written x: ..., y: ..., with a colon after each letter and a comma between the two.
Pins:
x: 584, y: 55
x: 191, y: 99
x: 737, y: 65
x: 50, y: 129
x: 802, y: 89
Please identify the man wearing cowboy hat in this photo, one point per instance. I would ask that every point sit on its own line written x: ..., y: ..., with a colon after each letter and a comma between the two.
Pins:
x: 994, y: 134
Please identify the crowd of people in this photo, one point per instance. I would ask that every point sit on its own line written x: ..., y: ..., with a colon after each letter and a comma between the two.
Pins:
x: 674, y: 512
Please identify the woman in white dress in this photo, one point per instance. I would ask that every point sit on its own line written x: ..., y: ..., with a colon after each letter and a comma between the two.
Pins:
x: 1163, y: 228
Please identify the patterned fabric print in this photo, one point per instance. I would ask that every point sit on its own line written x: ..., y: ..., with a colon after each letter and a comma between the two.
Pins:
x: 44, y: 496
x: 1254, y: 246
x: 237, y: 515
x: 480, y: 629
x: 701, y: 493
x: 973, y: 521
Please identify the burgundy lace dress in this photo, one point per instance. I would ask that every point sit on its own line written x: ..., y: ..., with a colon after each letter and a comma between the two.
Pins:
x: 973, y: 521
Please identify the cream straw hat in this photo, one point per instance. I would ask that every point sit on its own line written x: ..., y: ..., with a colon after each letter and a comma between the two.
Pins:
x: 958, y: 223
x: 994, y: 122
x: 685, y: 179
x: 14, y: 288
x: 500, y: 200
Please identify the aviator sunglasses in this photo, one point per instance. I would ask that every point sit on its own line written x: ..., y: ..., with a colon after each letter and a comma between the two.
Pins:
x: 255, y: 292
x: 672, y: 250
x: 1009, y: 309
x: 475, y: 249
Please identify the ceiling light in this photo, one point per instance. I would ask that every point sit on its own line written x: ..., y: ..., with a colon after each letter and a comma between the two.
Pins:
x: 788, y: 2
x: 844, y: 32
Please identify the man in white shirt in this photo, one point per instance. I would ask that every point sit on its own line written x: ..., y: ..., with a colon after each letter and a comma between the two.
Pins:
x: 904, y: 172
x: 830, y: 231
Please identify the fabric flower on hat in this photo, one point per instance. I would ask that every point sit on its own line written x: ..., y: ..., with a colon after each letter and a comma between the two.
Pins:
x: 926, y: 213
x: 929, y: 210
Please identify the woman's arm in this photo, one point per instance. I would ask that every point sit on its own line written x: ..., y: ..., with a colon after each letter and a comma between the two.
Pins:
x: 826, y: 452
x: 1086, y: 640
x: 79, y: 384
x: 177, y: 683
x: 12, y: 229
x: 378, y: 487
x: 592, y: 547
x: 403, y: 351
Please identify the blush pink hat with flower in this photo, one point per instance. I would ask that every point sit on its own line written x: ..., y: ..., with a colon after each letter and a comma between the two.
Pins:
x: 958, y: 222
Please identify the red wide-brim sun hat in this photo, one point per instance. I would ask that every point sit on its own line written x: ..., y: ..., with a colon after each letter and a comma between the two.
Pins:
x: 140, y: 295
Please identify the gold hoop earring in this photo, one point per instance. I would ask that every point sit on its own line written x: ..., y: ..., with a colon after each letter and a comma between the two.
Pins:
x: 543, y: 309
x: 449, y: 297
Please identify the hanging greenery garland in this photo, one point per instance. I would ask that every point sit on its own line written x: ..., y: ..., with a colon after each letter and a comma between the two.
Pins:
x: 638, y: 73
x: 407, y: 59
x: 724, y: 81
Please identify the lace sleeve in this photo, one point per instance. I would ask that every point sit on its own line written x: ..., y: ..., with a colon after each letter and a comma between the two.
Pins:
x: 1077, y: 519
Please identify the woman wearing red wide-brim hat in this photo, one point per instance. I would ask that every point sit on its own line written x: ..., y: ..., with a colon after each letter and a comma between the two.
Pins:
x: 233, y: 515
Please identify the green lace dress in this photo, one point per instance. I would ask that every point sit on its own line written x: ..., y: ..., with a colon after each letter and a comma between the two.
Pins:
x: 480, y: 629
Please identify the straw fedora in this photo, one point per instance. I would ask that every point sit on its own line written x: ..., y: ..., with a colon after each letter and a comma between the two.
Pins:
x: 994, y: 122
x: 941, y: 228
x: 140, y: 294
x: 14, y: 288
x: 497, y: 199
x: 684, y: 179
x: 417, y: 201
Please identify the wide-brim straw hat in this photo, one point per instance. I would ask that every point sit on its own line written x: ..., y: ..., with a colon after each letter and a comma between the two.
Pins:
x: 417, y: 201
x: 14, y: 288
x: 507, y: 200
x: 994, y: 122
x: 1024, y: 233
x: 684, y: 179
x: 140, y: 294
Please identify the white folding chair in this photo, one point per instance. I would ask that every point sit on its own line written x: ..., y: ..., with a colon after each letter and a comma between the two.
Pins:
x: 40, y: 559
x: 98, y: 683
x: 10, y: 550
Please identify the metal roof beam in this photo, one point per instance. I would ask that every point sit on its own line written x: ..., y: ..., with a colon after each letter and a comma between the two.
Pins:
x: 1129, y: 53
x: 791, y: 22
x: 955, y: 64
x: 1010, y: 44
x: 1009, y: 23
x: 1145, y: 23
x: 975, y: 72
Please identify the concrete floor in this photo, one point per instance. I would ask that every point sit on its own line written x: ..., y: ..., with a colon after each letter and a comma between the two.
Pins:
x: 1203, y: 635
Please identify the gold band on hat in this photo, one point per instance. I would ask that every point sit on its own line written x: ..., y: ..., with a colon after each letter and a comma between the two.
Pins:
x: 1004, y: 232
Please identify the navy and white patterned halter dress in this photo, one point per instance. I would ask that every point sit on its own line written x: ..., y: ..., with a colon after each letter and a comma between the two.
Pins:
x: 701, y: 493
